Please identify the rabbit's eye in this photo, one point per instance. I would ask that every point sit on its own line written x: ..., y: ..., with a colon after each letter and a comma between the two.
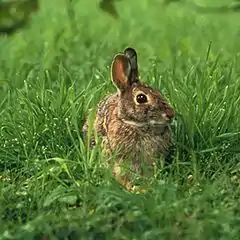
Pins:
x: 141, y: 98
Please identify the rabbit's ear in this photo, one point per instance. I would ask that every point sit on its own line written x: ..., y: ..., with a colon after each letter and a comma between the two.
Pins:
x: 121, y: 71
x: 131, y: 54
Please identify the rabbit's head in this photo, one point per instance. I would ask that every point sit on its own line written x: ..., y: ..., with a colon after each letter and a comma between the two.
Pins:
x: 139, y: 104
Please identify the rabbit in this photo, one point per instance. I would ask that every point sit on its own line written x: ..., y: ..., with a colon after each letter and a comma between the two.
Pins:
x: 134, y: 122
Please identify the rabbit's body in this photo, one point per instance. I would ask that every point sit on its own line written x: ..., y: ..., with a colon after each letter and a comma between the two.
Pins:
x: 134, y: 121
x: 134, y: 137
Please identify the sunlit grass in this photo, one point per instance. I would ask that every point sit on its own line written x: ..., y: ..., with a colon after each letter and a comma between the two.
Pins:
x: 54, y: 72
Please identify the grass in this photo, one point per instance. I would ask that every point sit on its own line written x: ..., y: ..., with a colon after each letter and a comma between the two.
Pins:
x: 52, y: 73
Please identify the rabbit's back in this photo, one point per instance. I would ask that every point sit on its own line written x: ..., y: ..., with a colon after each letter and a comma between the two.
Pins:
x: 106, y: 111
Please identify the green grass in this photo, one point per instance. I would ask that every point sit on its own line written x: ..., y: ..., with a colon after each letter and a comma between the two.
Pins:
x: 52, y: 73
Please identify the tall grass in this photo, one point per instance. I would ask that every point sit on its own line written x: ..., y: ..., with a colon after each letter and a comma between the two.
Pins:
x: 55, y: 71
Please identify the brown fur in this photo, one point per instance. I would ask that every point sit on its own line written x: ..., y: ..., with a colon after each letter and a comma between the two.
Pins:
x: 124, y: 124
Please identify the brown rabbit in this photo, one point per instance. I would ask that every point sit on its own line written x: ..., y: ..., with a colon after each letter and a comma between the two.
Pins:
x: 134, y: 121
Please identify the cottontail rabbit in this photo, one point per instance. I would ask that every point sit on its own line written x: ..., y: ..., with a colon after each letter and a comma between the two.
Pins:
x: 134, y: 121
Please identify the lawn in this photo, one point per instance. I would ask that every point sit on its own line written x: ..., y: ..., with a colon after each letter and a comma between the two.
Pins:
x: 54, y: 71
